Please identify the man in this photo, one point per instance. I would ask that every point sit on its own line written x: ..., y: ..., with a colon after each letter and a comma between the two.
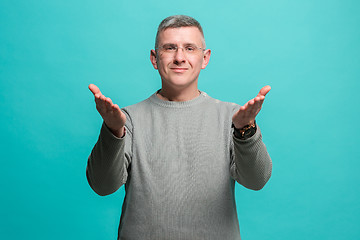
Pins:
x: 179, y: 152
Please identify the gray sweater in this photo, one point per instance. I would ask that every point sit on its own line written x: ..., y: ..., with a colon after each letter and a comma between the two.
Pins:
x: 179, y: 162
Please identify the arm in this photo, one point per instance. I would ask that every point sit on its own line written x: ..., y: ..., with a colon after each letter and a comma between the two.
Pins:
x: 251, y: 165
x: 108, y: 162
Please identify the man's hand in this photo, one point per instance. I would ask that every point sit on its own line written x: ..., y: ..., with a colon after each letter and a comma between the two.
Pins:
x: 113, y: 117
x: 247, y: 113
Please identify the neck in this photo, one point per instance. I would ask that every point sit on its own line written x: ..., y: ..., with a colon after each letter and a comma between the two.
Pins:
x: 178, y: 95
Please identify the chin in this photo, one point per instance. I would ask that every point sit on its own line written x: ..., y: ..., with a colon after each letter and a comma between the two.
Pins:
x: 180, y: 80
x: 180, y: 83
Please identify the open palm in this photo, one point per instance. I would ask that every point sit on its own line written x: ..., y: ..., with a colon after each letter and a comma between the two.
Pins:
x: 111, y: 113
x: 247, y: 113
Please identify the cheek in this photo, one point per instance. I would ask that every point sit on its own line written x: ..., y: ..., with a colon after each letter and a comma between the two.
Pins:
x: 196, y: 62
x: 162, y: 63
x: 159, y: 65
x: 162, y: 67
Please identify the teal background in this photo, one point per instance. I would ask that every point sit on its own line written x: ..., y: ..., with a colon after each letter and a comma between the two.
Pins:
x: 307, y: 50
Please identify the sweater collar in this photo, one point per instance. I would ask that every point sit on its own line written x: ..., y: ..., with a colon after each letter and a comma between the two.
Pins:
x: 172, y: 104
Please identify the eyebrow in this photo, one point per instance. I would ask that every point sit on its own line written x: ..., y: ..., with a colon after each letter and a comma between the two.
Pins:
x: 182, y: 44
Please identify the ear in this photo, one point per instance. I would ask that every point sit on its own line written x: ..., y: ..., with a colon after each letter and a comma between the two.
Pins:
x: 153, y: 58
x: 206, y: 58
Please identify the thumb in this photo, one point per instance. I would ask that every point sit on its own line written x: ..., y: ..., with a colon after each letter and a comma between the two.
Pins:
x: 94, y: 89
x: 264, y: 91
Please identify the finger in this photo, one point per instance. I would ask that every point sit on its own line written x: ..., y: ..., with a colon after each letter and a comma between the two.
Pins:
x: 108, y: 104
x: 101, y: 103
x: 116, y: 107
x: 264, y: 91
x: 99, y: 100
x: 251, y: 108
x: 261, y: 101
x: 109, y: 101
x: 102, y: 98
x: 258, y: 101
x: 245, y: 107
x: 98, y: 95
x: 257, y: 108
x: 94, y: 89
x: 245, y: 110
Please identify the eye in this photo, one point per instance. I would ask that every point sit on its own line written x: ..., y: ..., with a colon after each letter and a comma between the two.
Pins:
x: 169, y: 47
x: 190, y: 48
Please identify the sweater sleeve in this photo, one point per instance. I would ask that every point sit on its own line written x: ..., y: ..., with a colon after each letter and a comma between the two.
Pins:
x: 251, y: 164
x: 108, y: 163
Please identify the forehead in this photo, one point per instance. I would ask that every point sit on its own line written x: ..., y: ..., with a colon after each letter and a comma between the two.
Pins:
x: 181, y: 35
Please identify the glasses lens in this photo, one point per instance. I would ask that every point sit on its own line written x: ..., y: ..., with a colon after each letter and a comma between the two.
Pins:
x: 170, y: 49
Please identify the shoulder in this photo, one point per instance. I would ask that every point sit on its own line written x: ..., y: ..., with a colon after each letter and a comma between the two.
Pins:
x: 135, y: 111
x: 222, y: 105
x: 137, y: 106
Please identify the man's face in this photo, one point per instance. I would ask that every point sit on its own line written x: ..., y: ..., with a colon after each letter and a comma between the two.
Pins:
x: 180, y: 68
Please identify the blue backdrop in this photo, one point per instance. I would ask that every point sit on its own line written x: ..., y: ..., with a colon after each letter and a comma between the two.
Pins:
x: 307, y: 50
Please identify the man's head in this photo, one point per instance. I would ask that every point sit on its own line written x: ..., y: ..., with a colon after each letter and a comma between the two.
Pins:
x: 180, y: 52
x: 178, y: 21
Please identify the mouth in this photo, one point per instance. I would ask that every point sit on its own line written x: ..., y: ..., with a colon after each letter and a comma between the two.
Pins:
x: 179, y: 70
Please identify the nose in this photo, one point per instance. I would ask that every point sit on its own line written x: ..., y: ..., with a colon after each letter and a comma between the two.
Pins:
x: 179, y: 56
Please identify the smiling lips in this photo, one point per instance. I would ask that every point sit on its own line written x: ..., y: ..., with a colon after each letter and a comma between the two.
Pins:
x: 179, y: 70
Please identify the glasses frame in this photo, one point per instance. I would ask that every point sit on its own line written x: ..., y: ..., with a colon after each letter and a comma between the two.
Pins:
x: 177, y: 48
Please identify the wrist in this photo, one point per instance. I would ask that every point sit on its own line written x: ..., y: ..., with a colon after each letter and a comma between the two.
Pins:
x: 242, y: 125
x: 246, y: 131
x: 119, y: 133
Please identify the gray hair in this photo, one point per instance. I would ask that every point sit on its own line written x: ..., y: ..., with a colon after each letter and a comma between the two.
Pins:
x: 178, y: 21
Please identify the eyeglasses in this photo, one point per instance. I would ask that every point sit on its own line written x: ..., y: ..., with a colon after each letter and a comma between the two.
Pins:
x: 170, y: 49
